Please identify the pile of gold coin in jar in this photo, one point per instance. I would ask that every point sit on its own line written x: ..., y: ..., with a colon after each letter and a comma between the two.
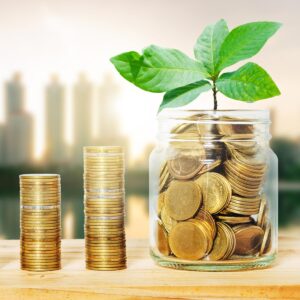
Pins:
x: 40, y: 226
x: 210, y: 204
x: 104, y: 208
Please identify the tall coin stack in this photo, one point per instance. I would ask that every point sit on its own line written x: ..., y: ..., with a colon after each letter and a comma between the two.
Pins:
x: 40, y: 226
x: 104, y: 208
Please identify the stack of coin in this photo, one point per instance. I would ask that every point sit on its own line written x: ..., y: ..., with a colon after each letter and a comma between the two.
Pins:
x: 40, y: 224
x: 104, y: 208
x: 245, y: 175
x: 244, y: 206
x: 210, y: 203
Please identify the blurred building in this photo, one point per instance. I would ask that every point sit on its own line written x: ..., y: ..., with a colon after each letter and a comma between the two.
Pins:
x: 55, y: 121
x: 14, y: 95
x: 19, y: 139
x: 107, y: 118
x: 82, y: 103
x: 18, y: 131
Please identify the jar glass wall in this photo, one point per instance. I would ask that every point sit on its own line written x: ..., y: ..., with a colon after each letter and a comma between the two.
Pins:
x: 213, y: 191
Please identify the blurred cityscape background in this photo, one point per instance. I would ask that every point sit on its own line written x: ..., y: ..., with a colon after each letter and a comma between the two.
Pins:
x: 60, y: 93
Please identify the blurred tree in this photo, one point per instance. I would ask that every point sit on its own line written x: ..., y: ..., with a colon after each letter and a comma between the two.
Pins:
x: 288, y: 153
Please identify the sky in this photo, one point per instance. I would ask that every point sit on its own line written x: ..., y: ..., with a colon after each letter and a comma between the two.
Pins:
x: 66, y: 37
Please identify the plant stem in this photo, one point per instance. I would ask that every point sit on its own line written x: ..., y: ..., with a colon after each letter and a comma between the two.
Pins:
x: 215, y: 95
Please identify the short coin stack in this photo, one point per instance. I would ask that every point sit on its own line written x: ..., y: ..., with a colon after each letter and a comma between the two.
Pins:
x: 104, y: 208
x: 40, y: 226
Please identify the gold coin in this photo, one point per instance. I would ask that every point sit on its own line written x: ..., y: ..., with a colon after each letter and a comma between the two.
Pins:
x: 205, y: 216
x: 216, y: 191
x: 108, y: 247
x: 105, y: 252
x: 206, y: 228
x: 262, y: 212
x: 42, y: 269
x: 115, y: 247
x: 37, y: 248
x: 188, y: 241
x: 95, y: 268
x: 39, y: 191
x: 184, y: 166
x: 106, y: 239
x: 105, y: 267
x: 266, y: 242
x: 104, y: 234
x: 164, y: 182
x: 26, y: 235
x: 244, y: 175
x: 103, y: 149
x: 242, y: 206
x: 103, y: 210
x: 160, y: 202
x: 109, y: 222
x: 223, y: 244
x: 100, y: 163
x: 185, y: 127
x: 40, y: 264
x: 232, y: 125
x: 234, y: 219
x: 183, y: 198
x: 53, y: 183
x: 113, y: 224
x: 101, y: 177
x: 40, y: 257
x: 239, y: 212
x: 112, y: 259
x: 167, y: 221
x: 209, y: 166
x: 248, y: 239
x: 244, y: 184
x: 39, y: 176
x: 242, y: 191
x: 102, y: 255
x: 99, y: 244
x: 99, y: 230
x: 106, y: 207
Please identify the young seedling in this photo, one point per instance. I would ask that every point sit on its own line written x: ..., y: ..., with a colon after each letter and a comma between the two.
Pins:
x: 182, y: 79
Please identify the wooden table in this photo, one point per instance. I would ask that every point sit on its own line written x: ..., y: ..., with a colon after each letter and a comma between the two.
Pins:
x: 143, y: 279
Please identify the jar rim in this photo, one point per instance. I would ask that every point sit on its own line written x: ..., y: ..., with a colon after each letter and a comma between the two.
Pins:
x: 250, y: 116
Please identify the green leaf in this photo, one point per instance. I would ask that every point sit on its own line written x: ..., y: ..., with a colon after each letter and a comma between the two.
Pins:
x: 128, y: 64
x: 249, y: 83
x: 159, y: 69
x: 208, y: 45
x: 245, y: 41
x: 185, y: 94
x: 165, y: 69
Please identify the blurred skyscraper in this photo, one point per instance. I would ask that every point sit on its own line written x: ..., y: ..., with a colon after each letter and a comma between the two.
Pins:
x: 109, y: 127
x: 55, y: 121
x: 82, y: 103
x: 14, y: 95
x: 18, y: 132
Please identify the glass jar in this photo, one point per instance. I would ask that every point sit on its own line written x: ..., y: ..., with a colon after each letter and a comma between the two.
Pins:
x: 213, y: 191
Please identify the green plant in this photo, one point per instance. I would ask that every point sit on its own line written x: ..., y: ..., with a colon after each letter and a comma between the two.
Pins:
x: 183, y: 79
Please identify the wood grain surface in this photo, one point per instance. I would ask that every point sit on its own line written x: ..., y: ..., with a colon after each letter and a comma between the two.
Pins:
x: 144, y: 280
